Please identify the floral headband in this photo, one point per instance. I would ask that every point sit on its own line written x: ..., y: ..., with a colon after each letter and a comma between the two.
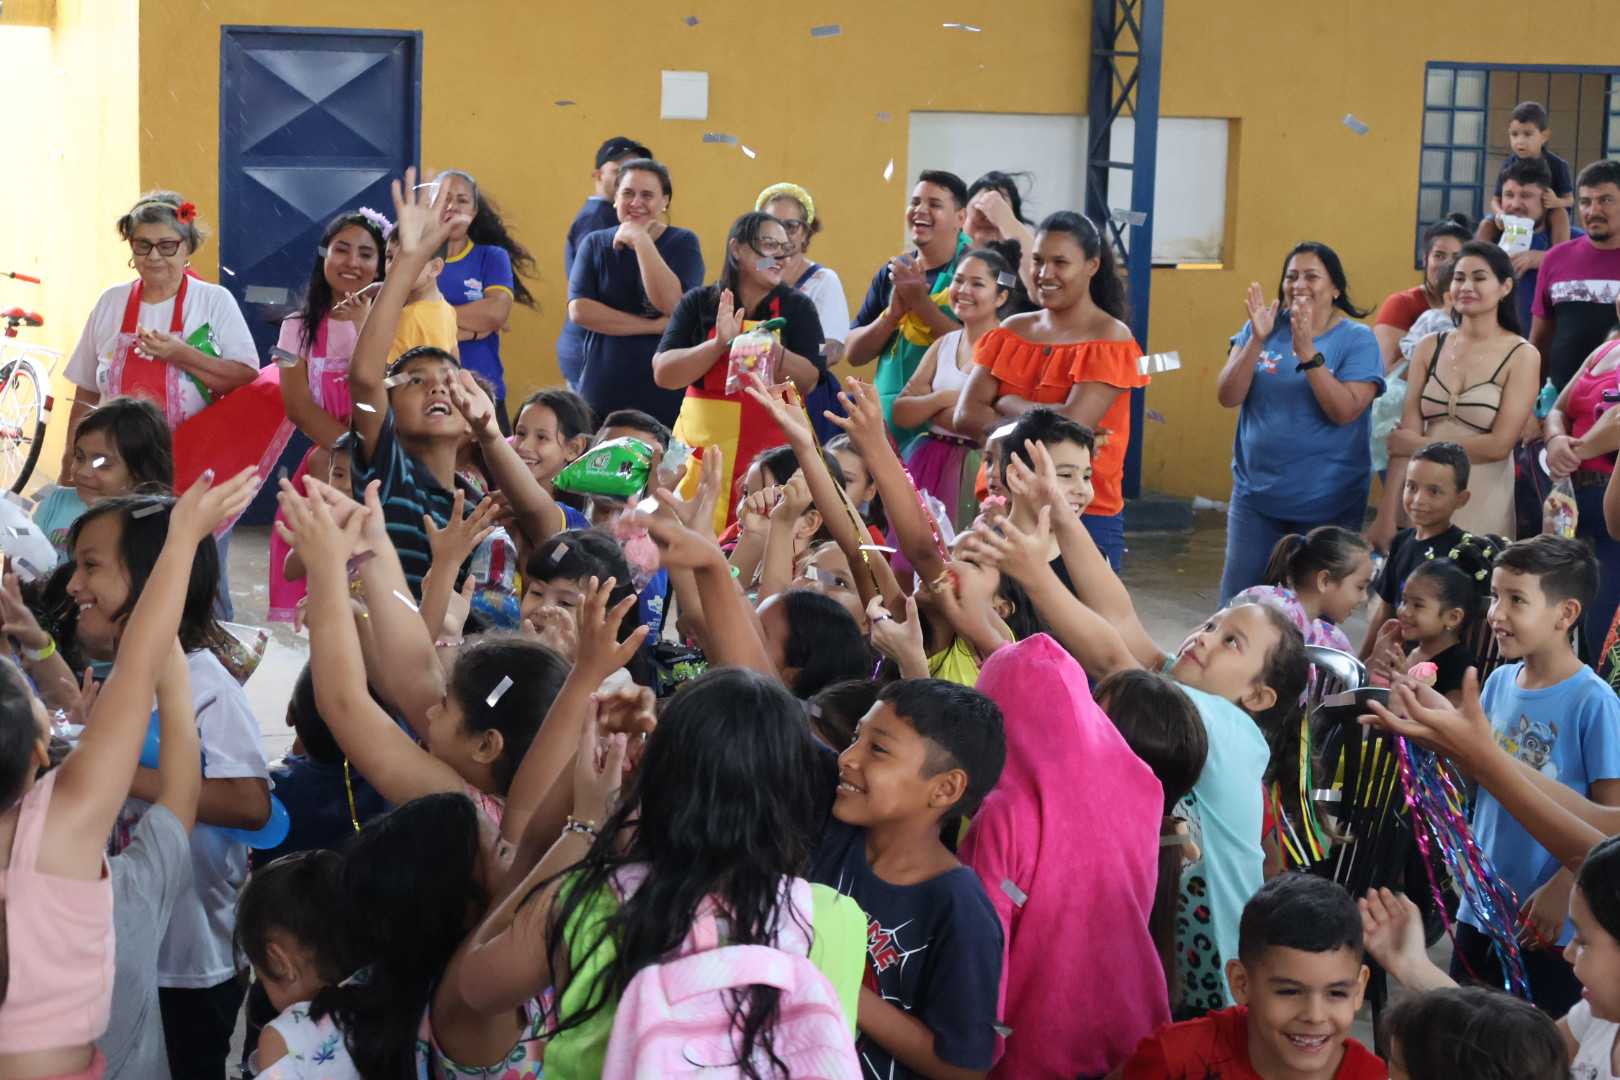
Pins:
x: 792, y: 191
x: 185, y: 213
x: 373, y: 220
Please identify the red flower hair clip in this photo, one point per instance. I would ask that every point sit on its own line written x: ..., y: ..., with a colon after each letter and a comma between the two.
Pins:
x: 186, y: 214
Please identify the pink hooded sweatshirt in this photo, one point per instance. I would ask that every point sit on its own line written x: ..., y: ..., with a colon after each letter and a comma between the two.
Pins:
x: 1067, y: 845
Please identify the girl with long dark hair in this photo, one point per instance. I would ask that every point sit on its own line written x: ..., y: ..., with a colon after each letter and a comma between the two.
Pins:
x: 1474, y: 386
x: 482, y: 278
x: 722, y: 808
x: 695, y: 350
x: 321, y: 335
x: 1302, y: 374
x: 1076, y: 354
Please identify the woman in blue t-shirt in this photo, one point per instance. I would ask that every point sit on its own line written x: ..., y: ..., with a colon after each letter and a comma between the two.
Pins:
x: 1302, y: 375
x: 625, y: 285
x: 480, y: 278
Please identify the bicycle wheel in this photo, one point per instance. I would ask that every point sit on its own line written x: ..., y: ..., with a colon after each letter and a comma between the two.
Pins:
x: 22, y: 422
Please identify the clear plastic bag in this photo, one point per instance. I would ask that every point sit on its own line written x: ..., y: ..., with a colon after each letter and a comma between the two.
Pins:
x: 755, y: 352
x: 1559, y: 513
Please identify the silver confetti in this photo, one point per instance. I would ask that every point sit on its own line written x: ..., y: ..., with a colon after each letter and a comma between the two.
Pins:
x: 17, y: 531
x: 323, y: 251
x: 719, y: 137
x: 363, y: 407
x: 826, y: 577
x: 648, y: 505
x: 878, y: 547
x: 148, y: 511
x: 1003, y: 1030
x: 1159, y: 362
x: 1354, y: 125
x: 690, y: 20
x: 1006, y: 281
x: 21, y: 500
x: 500, y: 688
x: 814, y: 710
x: 885, y: 117
x: 888, y: 170
x: 961, y: 26
x: 560, y: 553
x: 431, y: 187
x: 1018, y: 896
x: 1156, y: 416
x: 98, y: 462
x: 1127, y: 217
x: 227, y: 269
x: 26, y: 571
x: 283, y: 358
x: 826, y: 31
x: 767, y: 263
x: 396, y: 380
x: 1327, y: 795
x: 747, y: 151
x: 562, y: 102
x: 1003, y: 431
x: 1172, y: 840
x: 408, y: 602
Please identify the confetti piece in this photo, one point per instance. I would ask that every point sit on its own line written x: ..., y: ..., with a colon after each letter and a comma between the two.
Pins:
x: 747, y: 151
x: 431, y: 187
x: 363, y: 407
x: 878, y: 547
x: 560, y: 553
x: 281, y: 474
x: 1004, y: 430
x: 1014, y: 893
x: 282, y: 357
x: 20, y: 500
x: 323, y: 251
x: 1327, y: 795
x: 1354, y: 125
x: 814, y: 710
x: 1156, y: 416
x: 19, y: 530
x: 396, y: 380
x: 888, y: 170
x: 500, y: 688
x: 1172, y: 840
x: 148, y: 511
x: 648, y: 505
x: 1006, y: 281
x: 826, y: 31
x: 26, y: 571
x: 690, y: 20
x: 1127, y: 217
x: 1002, y: 1029
x: 408, y: 602
x: 562, y: 102
x: 826, y: 577
x: 768, y: 263
x: 96, y: 463
x: 962, y: 26
x: 227, y: 269
x: 885, y: 117
x: 1159, y: 362
x: 718, y: 137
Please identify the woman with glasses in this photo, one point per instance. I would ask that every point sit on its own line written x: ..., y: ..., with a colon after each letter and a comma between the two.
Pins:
x: 167, y: 335
x: 696, y: 349
x: 792, y: 206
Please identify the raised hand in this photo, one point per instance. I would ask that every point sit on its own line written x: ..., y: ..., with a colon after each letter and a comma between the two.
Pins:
x: 782, y: 402
x: 1421, y: 713
x: 1262, y: 316
x: 864, y: 421
x: 1039, y: 484
x: 1392, y: 930
x: 901, y: 642
x: 679, y: 547
x: 1019, y: 555
x: 698, y: 511
x: 307, y: 525
x: 556, y: 629
x: 206, y: 505
x: 16, y: 620
x: 461, y: 535
x: 795, y: 499
x: 598, y: 629
x: 728, y: 322
x: 755, y: 512
x: 419, y: 223
x: 475, y: 407
x: 599, y: 769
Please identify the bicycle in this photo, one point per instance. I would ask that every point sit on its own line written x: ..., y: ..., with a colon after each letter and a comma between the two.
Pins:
x: 25, y: 394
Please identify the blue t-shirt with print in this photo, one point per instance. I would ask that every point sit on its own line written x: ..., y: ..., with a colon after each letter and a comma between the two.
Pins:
x: 1570, y: 732
x: 933, y: 950
x: 1524, y: 290
x: 464, y: 279
x: 1288, y: 459
x: 617, y: 372
x: 55, y: 516
x: 597, y: 213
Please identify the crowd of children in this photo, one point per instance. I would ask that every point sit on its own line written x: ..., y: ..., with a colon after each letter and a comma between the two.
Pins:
x: 764, y: 746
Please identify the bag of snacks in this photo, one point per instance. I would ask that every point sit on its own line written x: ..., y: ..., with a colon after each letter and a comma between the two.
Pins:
x: 757, y: 352
x: 618, y: 467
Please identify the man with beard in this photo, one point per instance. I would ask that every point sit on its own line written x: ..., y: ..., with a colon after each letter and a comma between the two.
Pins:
x: 906, y: 307
x: 1580, y: 279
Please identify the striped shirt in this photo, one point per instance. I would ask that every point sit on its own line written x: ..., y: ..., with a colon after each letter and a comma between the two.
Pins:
x: 408, y: 492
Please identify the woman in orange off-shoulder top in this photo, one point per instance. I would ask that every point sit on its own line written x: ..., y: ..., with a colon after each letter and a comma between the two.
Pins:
x: 1076, y: 355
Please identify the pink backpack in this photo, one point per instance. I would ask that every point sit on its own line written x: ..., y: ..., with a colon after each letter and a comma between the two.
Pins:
x: 674, y: 1019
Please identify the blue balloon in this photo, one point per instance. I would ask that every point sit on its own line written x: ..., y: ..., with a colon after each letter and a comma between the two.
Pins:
x: 269, y: 835
x: 149, y: 750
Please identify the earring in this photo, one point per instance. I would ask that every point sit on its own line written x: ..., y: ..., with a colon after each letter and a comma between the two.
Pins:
x: 132, y: 262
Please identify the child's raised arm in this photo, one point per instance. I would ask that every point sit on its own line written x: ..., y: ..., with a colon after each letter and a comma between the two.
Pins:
x: 452, y: 546
x: 92, y: 783
x: 536, y: 512
x: 420, y: 229
x: 387, y: 757
x: 180, y: 781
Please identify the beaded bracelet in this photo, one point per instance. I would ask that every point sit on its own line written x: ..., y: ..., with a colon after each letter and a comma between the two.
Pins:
x: 574, y: 825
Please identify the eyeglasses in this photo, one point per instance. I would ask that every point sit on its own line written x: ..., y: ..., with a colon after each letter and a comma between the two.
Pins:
x: 768, y: 245
x: 165, y: 247
x: 794, y: 228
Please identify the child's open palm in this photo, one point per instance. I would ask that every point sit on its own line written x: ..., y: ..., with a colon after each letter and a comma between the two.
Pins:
x: 309, y: 528
x: 598, y: 629
x: 782, y: 402
x: 1018, y: 554
x: 419, y: 224
x: 864, y: 421
x: 469, y: 399
x: 1040, y: 484
x: 205, y: 504
x: 461, y: 535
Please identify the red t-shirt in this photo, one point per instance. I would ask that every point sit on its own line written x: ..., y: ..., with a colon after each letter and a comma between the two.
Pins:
x: 1403, y: 308
x: 1217, y: 1046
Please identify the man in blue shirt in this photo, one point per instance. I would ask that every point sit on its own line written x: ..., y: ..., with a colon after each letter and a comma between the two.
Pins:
x: 1523, y: 182
x: 597, y: 213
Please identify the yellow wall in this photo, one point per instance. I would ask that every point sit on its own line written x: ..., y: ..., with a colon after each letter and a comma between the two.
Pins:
x: 71, y: 173
x: 808, y: 107
x: 1291, y: 73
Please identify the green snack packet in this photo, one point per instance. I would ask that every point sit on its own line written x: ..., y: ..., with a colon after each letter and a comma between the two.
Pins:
x: 618, y: 467
x: 202, y: 339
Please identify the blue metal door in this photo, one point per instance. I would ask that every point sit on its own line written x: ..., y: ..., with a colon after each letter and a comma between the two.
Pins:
x: 312, y: 122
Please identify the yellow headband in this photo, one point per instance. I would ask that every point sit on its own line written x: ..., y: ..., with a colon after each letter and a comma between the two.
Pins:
x: 794, y: 191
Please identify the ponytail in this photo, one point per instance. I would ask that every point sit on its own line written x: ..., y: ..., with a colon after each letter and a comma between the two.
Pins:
x: 1296, y: 559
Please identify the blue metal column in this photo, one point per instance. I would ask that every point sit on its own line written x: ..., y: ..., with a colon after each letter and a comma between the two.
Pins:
x: 1127, y: 46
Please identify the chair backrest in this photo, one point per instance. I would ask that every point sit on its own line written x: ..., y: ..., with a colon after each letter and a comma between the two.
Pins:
x: 1332, y: 672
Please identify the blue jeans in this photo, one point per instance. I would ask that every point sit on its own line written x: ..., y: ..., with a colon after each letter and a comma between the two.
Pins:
x: 223, y: 608
x: 1589, y: 526
x: 1251, y: 534
x: 1108, y: 533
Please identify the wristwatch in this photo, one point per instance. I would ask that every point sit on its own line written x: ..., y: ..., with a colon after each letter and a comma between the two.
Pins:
x: 1314, y: 362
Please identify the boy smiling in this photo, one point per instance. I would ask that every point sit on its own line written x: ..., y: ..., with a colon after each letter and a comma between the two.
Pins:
x: 1298, y: 980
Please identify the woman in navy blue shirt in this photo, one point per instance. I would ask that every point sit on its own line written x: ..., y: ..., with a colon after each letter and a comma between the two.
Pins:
x: 626, y: 283
x: 1302, y: 375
